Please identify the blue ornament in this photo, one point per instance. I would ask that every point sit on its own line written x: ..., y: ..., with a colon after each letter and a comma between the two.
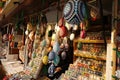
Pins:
x: 51, y: 70
x: 56, y: 47
x: 56, y: 60
x: 74, y: 11
x: 63, y: 55
x: 51, y: 56
x: 43, y: 43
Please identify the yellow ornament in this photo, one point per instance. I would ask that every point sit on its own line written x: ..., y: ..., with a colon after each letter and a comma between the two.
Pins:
x: 45, y: 60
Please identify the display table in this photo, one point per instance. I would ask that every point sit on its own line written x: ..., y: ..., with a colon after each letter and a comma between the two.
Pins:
x: 12, y: 66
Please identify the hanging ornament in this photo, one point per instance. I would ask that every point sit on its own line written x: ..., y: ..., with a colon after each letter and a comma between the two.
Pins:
x: 31, y: 35
x: 67, y: 26
x: 62, y: 46
x: 94, y: 14
x: 51, y: 56
x: 10, y: 37
x: 63, y: 31
x: 33, y: 54
x: 45, y: 60
x: 5, y: 37
x: 79, y: 45
x: 43, y: 43
x: 56, y: 47
x: 72, y: 36
x: 29, y: 27
x: 51, y: 70
x: 44, y: 52
x: 56, y: 60
x: 83, y: 34
x: 63, y: 55
x: 74, y: 11
x: 75, y: 27
x: 60, y: 23
x: 11, y: 44
x: 26, y: 32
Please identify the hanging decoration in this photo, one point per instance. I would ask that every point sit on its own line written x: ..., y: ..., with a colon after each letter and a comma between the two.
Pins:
x: 74, y: 11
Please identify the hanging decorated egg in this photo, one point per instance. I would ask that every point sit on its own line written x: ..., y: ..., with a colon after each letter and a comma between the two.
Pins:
x: 45, y: 60
x: 51, y: 56
x: 12, y: 44
x: 74, y: 11
x: 93, y: 14
x: 56, y: 60
x: 26, y: 32
x: 63, y: 31
x: 54, y: 37
x: 79, y: 46
x: 5, y: 37
x: 67, y: 26
x: 43, y: 43
x: 33, y: 54
x: 75, y: 27
x: 63, y: 55
x: 56, y: 47
x: 72, y: 36
x: 10, y: 37
x: 60, y: 22
x: 44, y: 52
x: 83, y: 34
x: 29, y: 27
x: 51, y: 70
x: 62, y: 46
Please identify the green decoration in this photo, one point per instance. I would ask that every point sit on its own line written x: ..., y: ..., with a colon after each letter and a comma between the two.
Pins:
x: 79, y: 45
x: 117, y: 52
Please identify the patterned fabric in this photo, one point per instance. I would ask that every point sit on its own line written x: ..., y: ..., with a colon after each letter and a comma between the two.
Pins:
x: 74, y: 11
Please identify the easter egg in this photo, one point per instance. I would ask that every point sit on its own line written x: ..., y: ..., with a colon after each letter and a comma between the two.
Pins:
x: 63, y: 31
x: 5, y: 37
x: 43, y: 43
x: 44, y: 52
x: 75, y: 27
x: 56, y: 60
x: 79, y: 45
x: 51, y: 56
x: 67, y: 26
x: 45, y: 60
x: 26, y: 32
x: 83, y: 34
x: 56, y: 47
x: 63, y: 55
x: 33, y: 55
x: 72, y: 36
x: 62, y: 45
x: 74, y: 11
x: 31, y: 35
x: 10, y: 37
x: 12, y: 44
x: 51, y: 70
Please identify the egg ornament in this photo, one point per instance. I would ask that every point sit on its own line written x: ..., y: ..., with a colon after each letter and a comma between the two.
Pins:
x: 12, y: 44
x: 63, y: 55
x: 68, y: 26
x: 10, y: 37
x: 5, y: 37
x: 56, y: 47
x: 75, y: 27
x: 56, y: 60
x: 43, y: 43
x: 74, y: 11
x: 79, y: 45
x: 63, y: 31
x: 82, y: 34
x: 29, y: 27
x: 44, y: 52
x: 45, y: 60
x: 51, y: 56
x: 72, y: 36
x: 33, y: 54
x: 26, y: 32
x: 51, y: 70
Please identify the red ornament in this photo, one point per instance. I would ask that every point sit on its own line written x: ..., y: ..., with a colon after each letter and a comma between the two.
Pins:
x: 83, y: 34
x: 63, y: 31
x: 10, y: 37
x: 12, y: 44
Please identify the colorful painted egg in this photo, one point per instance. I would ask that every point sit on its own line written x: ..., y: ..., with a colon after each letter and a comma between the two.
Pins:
x: 79, y: 45
x: 62, y: 46
x: 56, y: 60
x: 74, y: 11
x: 5, y: 37
x: 26, y: 32
x: 75, y: 27
x: 51, y: 70
x: 29, y: 27
x: 72, y: 36
x: 83, y: 34
x: 56, y: 47
x: 63, y: 31
x: 51, y: 56
x: 10, y: 37
x: 45, y: 60
x: 33, y: 55
x: 31, y: 35
x: 67, y: 26
x: 12, y: 44
x: 63, y: 55
x: 43, y: 43
x: 44, y: 52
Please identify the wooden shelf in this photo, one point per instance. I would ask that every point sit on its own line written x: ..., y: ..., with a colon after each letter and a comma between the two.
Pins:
x: 85, y: 55
x: 91, y: 41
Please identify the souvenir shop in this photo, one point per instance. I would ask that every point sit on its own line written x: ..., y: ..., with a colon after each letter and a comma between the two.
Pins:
x: 59, y: 40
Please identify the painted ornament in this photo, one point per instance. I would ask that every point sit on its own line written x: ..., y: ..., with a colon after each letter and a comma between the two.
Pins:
x: 63, y: 31
x: 12, y: 44
x: 75, y: 27
x: 51, y: 56
x: 63, y: 55
x: 10, y: 37
x: 51, y: 70
x: 67, y: 26
x: 43, y: 43
x: 45, y: 60
x: 83, y: 34
x: 44, y: 52
x: 56, y: 60
x: 31, y: 35
x: 74, y: 11
x: 5, y: 37
x: 33, y: 55
x: 56, y: 47
x: 72, y: 36
x: 26, y: 32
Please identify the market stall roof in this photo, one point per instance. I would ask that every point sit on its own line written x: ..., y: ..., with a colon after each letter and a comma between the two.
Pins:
x: 33, y: 6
